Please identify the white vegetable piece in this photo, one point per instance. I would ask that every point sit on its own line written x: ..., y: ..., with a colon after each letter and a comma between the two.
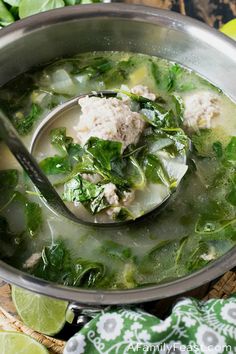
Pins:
x: 62, y: 83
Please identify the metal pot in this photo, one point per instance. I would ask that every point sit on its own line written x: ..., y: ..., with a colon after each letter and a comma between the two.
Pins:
x: 72, y: 30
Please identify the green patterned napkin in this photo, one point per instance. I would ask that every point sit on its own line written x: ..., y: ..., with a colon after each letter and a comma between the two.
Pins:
x: 193, y: 327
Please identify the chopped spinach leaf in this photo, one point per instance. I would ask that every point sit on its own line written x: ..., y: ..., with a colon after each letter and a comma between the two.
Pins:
x: 8, y: 183
x: 115, y: 250
x: 55, y: 165
x: 104, y: 151
x: 231, y: 196
x: 178, y: 108
x: 218, y: 149
x: 230, y: 150
x: 8, y: 179
x: 59, y: 139
x: 172, y: 76
x: 24, y: 123
x: 6, y: 17
x: 89, y: 194
x: 9, y: 194
x: 123, y: 214
x: 156, y: 114
x: 57, y: 265
x: 28, y: 8
x: 80, y: 190
x: 33, y: 213
x: 196, y: 258
x: 154, y: 170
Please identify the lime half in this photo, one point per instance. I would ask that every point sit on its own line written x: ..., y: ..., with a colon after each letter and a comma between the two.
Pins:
x: 41, y: 313
x: 19, y: 343
x: 230, y: 29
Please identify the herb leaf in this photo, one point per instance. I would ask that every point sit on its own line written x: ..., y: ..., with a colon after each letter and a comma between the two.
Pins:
x: 230, y: 150
x: 24, y: 125
x: 59, y: 139
x: 8, y: 183
x: 33, y: 213
x: 85, y: 192
x: 6, y: 17
x: 55, y: 165
x: 104, y: 151
x: 29, y: 7
x: 57, y: 265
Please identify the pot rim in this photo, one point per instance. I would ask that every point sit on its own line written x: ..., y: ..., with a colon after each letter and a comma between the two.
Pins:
x: 112, y: 297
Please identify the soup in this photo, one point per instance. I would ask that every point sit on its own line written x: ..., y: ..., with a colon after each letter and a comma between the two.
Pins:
x: 185, y: 141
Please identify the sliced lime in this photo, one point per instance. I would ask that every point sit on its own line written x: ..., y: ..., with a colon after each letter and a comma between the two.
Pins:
x: 41, y: 313
x: 19, y: 343
x: 230, y: 29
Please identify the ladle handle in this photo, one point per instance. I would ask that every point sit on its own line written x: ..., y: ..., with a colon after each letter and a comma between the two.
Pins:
x: 30, y: 165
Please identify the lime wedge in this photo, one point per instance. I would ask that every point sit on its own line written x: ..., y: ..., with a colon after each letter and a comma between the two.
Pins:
x: 41, y: 313
x: 19, y: 343
x: 230, y: 29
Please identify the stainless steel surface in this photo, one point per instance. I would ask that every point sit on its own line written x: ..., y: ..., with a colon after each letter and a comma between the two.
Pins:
x: 71, y: 30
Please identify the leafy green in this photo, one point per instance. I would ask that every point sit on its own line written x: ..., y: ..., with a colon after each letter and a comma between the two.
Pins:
x: 8, y: 183
x: 154, y: 170
x: 72, y: 2
x: 134, y: 173
x: 55, y: 165
x: 70, y: 153
x: 60, y: 140
x: 9, y: 194
x: 196, y: 261
x: 8, y: 179
x: 80, y: 190
x: 115, y: 250
x: 231, y: 196
x: 218, y: 149
x: 6, y: 17
x: 12, y: 2
x: 29, y: 7
x: 12, y: 10
x: 123, y: 214
x: 98, y: 156
x: 33, y: 213
x: 57, y: 265
x: 159, y: 116
x: 24, y: 124
x: 170, y: 78
x: 178, y: 108
x: 104, y: 151
x: 230, y: 150
x: 89, y: 194
x: 94, y: 67
x: 119, y: 72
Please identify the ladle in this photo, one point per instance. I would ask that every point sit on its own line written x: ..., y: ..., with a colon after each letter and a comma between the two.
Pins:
x: 31, y: 167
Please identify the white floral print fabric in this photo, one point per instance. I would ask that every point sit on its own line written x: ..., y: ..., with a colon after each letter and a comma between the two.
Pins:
x: 192, y: 328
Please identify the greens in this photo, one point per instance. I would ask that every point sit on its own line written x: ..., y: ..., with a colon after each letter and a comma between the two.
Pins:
x: 12, y: 10
x: 24, y: 123
x: 10, y: 194
x: 85, y: 192
x: 57, y: 265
